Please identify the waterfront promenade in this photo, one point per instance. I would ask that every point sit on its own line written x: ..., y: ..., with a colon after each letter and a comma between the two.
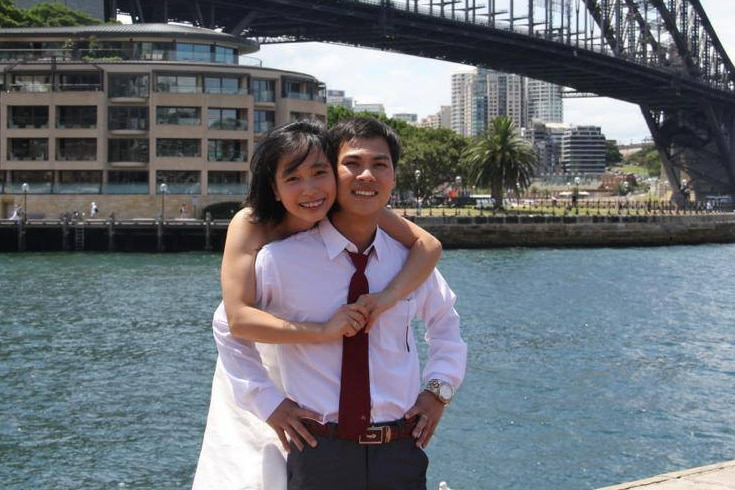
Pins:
x: 720, y: 476
x: 481, y: 232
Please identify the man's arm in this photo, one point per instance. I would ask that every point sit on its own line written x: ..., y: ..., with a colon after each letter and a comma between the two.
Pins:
x: 447, y: 353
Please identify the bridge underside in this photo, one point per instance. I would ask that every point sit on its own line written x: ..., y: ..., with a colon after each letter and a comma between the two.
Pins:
x: 691, y: 123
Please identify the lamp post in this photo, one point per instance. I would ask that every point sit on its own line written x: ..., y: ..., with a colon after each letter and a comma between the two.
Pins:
x: 25, y: 188
x: 163, y: 188
x: 575, y: 195
x: 458, y: 183
x: 417, y: 174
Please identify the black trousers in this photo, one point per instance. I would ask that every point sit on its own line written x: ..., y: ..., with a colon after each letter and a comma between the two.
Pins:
x: 338, y: 464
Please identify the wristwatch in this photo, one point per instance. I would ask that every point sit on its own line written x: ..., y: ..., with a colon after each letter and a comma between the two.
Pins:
x: 443, y: 391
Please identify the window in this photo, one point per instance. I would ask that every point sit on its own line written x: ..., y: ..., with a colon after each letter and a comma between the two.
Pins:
x: 179, y: 182
x: 297, y: 89
x: 227, y: 183
x: 127, y: 118
x: 81, y: 81
x: 227, y: 119
x: 226, y: 151
x: 31, y: 83
x: 128, y: 85
x: 264, y: 90
x: 34, y: 116
x: 76, y: 149
x: 225, y: 55
x: 128, y: 150
x: 193, y: 52
x: 185, y: 147
x: 76, y: 116
x: 222, y: 85
x: 181, y: 116
x: 27, y: 149
x: 263, y: 121
x: 177, y: 84
x: 79, y: 182
x: 127, y: 182
x: 39, y: 181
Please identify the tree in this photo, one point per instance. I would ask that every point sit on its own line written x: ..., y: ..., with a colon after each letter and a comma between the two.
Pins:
x: 612, y: 153
x: 500, y: 159
x: 52, y: 14
x: 10, y: 15
x: 435, y: 152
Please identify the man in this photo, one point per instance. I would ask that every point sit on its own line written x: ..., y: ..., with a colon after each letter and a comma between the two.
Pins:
x: 306, y: 278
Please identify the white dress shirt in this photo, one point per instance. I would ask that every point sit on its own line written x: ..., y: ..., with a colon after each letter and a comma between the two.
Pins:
x: 305, y: 278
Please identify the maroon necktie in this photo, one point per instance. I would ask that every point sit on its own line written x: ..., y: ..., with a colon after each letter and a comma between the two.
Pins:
x: 354, y: 395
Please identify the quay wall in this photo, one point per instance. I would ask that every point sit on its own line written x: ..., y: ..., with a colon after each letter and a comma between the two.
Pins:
x: 152, y: 235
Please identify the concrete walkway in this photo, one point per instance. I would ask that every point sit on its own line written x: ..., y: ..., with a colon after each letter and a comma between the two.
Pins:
x: 720, y: 476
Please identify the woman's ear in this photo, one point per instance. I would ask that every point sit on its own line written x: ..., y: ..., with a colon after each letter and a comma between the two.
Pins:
x: 275, y: 192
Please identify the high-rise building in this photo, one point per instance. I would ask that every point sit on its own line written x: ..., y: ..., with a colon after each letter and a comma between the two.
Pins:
x: 370, y: 108
x: 406, y: 117
x: 583, y: 150
x: 544, y: 101
x: 338, y: 98
x: 482, y: 95
x: 110, y: 113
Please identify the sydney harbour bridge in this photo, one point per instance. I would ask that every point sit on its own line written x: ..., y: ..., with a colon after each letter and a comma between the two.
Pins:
x: 662, y: 55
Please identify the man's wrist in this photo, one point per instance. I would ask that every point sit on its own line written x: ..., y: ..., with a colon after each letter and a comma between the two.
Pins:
x: 442, y: 391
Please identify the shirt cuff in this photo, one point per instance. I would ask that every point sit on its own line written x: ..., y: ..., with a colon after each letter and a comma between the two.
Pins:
x: 266, y: 402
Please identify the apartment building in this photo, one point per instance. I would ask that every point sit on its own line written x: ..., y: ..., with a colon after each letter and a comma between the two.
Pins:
x: 137, y: 118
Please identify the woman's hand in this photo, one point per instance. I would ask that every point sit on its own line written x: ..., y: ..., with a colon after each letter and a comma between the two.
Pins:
x: 346, y: 322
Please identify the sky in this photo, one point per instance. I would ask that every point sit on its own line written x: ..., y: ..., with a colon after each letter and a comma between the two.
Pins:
x: 420, y: 86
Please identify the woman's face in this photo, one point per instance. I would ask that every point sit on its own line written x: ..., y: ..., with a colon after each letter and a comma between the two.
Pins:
x: 307, y: 191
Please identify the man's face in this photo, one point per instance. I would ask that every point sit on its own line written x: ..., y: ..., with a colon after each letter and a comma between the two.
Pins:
x: 365, y: 176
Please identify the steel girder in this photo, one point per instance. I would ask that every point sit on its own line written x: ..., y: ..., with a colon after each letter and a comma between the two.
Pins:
x: 660, y: 54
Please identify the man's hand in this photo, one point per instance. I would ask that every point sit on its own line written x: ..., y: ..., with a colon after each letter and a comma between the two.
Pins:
x: 286, y: 421
x: 346, y: 321
x: 429, y: 410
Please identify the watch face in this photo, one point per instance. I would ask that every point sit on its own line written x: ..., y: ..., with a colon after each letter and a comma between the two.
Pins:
x: 445, y: 392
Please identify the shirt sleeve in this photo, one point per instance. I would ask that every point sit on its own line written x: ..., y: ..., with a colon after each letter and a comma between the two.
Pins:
x: 447, y: 353
x: 252, y: 387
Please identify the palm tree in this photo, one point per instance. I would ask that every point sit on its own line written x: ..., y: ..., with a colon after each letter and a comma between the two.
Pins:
x: 500, y: 159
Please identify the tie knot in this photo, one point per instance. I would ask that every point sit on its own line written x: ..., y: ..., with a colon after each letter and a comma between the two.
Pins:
x: 360, y: 261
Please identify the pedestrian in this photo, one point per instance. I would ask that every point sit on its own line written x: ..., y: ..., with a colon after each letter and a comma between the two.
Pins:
x: 17, y: 213
x: 183, y: 211
x: 293, y: 187
x: 349, y: 424
x: 93, y: 209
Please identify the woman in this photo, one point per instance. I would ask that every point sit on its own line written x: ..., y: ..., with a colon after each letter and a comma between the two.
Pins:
x: 293, y: 187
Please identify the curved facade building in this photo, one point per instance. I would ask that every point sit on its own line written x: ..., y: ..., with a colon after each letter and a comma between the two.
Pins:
x: 109, y: 113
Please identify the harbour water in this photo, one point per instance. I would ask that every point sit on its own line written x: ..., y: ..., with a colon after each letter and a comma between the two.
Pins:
x: 587, y: 367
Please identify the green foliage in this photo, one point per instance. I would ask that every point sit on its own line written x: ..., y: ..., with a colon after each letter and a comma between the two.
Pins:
x: 648, y: 157
x: 53, y: 14
x: 500, y: 159
x: 436, y: 153
x: 10, y: 15
x: 612, y: 153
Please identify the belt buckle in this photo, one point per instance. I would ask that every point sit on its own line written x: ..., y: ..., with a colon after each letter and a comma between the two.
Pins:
x: 375, y: 435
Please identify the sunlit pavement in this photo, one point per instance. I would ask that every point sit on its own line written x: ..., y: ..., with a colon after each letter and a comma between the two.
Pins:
x: 720, y: 476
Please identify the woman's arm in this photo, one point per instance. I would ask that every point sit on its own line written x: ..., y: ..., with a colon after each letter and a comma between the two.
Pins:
x: 425, y: 252
x: 244, y: 239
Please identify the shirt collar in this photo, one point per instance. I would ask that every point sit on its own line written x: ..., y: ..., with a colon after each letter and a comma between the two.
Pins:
x: 336, y: 243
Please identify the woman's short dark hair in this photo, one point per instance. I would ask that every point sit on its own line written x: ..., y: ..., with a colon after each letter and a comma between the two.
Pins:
x: 297, y: 140
x: 362, y: 128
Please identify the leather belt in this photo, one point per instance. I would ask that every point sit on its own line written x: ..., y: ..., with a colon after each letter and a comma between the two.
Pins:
x: 375, y: 434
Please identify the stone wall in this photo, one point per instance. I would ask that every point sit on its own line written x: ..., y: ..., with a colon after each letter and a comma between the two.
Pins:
x: 580, y: 231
